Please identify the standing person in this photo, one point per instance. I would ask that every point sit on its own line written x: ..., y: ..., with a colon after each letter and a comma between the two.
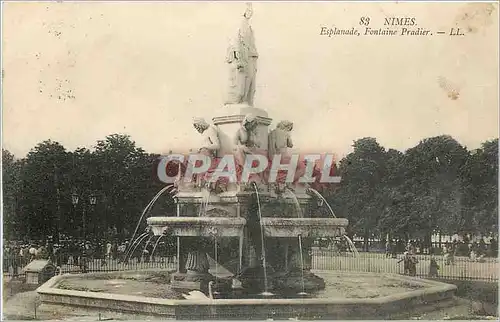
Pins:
x: 6, y: 258
x: 418, y: 247
x: 22, y: 255
x: 83, y: 260
x: 394, y: 249
x: 42, y: 253
x: 125, y: 259
x: 406, y: 263
x: 387, y: 248
x: 14, y: 259
x: 433, y: 267
x: 473, y: 253
x: 412, y: 264
x: 102, y: 253
x: 410, y: 247
x: 482, y: 247
x: 109, y: 250
x: 454, y: 248
x: 50, y: 251
x: 114, y: 250
x: 32, y: 252
x: 121, y: 253
x: 58, y: 255
x: 145, y: 255
x: 494, y: 247
x: 75, y: 252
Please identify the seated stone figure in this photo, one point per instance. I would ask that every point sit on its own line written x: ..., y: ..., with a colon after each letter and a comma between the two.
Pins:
x: 246, y: 142
x: 280, y: 141
x: 210, y: 147
x: 211, y: 143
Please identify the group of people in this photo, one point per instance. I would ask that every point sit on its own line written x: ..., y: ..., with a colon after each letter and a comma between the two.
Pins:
x: 475, y: 251
x: 74, y: 252
x: 410, y: 262
x: 393, y: 247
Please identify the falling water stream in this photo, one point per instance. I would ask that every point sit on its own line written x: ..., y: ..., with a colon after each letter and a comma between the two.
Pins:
x: 263, y: 248
x: 300, y: 215
x: 216, y: 258
x: 351, y: 245
x: 133, y: 244
x: 139, y: 241
x: 302, y: 268
x: 156, y: 244
x: 349, y: 241
x: 324, y: 200
x: 204, y: 204
x: 145, y: 211
x: 147, y: 243
x: 297, y: 204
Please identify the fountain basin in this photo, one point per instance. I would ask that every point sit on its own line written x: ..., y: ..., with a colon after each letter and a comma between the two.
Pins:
x: 348, y: 296
x: 197, y: 226
x: 306, y: 227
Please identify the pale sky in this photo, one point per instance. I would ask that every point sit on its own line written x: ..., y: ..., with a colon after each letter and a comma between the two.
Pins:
x: 76, y: 72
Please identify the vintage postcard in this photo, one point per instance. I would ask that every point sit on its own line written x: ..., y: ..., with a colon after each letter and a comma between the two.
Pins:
x: 264, y: 160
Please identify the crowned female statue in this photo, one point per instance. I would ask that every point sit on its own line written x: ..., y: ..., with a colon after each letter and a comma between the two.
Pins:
x: 242, y: 59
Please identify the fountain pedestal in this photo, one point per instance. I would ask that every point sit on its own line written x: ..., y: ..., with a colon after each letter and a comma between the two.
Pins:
x: 297, y: 277
x: 228, y: 121
x: 194, y: 275
x: 197, y: 276
x: 196, y: 265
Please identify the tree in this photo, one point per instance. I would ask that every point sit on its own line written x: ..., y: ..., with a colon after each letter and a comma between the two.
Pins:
x: 435, y: 186
x: 434, y: 176
x: 359, y: 195
x: 395, y: 196
x: 11, y: 180
x: 480, y: 206
x: 42, y: 183
x: 125, y: 177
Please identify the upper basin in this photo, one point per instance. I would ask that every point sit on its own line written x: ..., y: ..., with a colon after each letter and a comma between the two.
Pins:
x: 198, y: 226
x: 305, y: 227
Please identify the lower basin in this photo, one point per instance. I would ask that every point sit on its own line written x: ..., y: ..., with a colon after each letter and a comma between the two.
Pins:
x: 305, y: 227
x: 347, y: 295
x: 197, y: 226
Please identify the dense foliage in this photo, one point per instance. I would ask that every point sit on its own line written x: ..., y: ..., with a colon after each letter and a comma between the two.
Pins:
x: 39, y: 190
x: 437, y: 185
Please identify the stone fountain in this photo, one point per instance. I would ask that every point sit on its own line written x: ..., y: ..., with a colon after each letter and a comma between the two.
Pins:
x: 259, y: 234
x: 245, y: 220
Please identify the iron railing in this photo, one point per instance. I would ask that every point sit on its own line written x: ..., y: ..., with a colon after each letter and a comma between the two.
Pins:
x: 459, y: 267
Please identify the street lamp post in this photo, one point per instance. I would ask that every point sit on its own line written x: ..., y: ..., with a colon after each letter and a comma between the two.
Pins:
x: 74, y: 199
x: 92, y: 201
